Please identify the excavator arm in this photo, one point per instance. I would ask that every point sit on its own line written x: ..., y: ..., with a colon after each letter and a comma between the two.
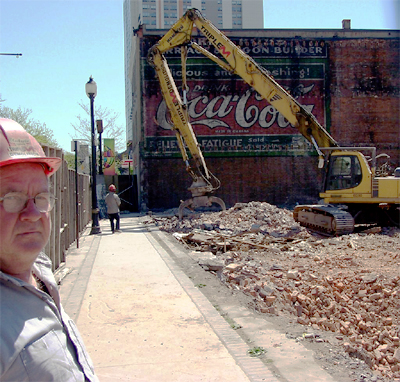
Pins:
x: 204, y: 182
x: 235, y: 61
x: 182, y: 127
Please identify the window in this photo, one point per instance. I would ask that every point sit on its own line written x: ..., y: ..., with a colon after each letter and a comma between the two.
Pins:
x: 344, y: 172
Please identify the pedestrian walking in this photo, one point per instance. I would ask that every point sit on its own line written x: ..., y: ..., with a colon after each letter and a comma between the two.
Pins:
x: 38, y: 341
x: 113, y: 202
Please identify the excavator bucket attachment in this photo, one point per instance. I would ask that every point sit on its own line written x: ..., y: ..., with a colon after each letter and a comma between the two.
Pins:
x: 200, y: 201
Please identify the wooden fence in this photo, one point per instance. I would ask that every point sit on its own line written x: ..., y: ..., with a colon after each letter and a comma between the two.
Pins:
x: 66, y: 224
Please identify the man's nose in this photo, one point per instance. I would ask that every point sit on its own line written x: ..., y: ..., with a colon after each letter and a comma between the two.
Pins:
x: 30, y: 212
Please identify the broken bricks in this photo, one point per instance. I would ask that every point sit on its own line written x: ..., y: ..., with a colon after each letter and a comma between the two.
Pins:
x: 348, y: 284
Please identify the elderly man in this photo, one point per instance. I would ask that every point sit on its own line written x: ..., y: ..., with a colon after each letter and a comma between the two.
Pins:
x: 38, y: 341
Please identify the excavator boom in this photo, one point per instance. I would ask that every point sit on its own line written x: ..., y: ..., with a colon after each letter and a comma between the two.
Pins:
x: 179, y: 116
x: 236, y: 61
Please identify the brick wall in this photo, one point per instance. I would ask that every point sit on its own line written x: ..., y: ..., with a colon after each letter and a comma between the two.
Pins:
x: 362, y: 89
x: 277, y: 180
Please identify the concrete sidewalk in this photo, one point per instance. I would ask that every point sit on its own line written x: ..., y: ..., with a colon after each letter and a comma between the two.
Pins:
x: 143, y: 319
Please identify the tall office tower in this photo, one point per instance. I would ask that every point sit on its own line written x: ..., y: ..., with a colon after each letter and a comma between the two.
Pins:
x: 224, y: 14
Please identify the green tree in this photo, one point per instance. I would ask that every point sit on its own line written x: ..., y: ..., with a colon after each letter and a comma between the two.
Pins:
x: 39, y: 130
x: 70, y: 159
x: 83, y: 128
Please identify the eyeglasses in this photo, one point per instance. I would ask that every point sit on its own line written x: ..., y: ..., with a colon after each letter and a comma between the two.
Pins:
x: 14, y: 202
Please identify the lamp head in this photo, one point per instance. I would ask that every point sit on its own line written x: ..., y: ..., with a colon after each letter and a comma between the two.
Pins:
x: 91, y: 88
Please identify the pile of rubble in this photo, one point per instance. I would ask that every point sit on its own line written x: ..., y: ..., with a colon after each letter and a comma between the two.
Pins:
x: 349, y: 285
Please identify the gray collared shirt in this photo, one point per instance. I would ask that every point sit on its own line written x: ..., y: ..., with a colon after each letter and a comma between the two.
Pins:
x: 38, y: 341
x: 113, y: 202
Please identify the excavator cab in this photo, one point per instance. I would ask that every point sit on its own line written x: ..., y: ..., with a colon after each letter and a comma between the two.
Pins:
x: 344, y: 172
x: 348, y: 174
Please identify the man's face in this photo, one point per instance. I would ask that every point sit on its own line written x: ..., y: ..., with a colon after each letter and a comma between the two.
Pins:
x: 23, y: 234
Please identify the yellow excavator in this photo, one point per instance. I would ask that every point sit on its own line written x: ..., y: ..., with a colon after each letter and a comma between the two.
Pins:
x: 352, y: 190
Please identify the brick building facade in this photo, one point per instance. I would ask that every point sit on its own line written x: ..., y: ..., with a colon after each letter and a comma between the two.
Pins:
x: 348, y: 79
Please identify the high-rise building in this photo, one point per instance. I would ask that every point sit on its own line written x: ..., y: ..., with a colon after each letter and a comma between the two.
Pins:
x: 224, y: 14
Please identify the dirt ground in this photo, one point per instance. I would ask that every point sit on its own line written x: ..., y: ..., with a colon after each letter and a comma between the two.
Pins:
x: 345, y: 291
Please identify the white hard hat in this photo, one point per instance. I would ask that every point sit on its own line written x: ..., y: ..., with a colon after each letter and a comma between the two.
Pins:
x: 18, y: 146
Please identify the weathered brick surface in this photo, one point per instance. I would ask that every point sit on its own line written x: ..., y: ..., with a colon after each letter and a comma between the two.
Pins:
x: 365, y: 93
x: 277, y: 180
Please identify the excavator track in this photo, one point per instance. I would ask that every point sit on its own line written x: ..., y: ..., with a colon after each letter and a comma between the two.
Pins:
x: 326, y: 219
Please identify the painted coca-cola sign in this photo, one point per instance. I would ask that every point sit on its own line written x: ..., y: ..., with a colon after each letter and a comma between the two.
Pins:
x: 228, y: 117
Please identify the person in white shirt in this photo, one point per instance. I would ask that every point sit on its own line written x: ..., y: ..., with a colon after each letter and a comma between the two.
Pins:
x: 113, y: 202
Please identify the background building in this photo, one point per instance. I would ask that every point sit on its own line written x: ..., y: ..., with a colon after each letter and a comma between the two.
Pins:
x: 349, y: 79
x: 159, y: 14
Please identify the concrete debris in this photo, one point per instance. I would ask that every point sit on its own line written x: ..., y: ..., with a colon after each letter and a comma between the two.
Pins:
x: 349, y: 285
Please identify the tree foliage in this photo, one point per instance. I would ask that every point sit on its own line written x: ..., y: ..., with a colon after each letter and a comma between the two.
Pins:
x: 83, y: 129
x: 70, y: 159
x: 38, y: 130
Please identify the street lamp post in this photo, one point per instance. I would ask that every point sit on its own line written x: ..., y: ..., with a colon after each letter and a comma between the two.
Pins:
x: 91, y: 92
x: 99, y: 124
x: 76, y: 194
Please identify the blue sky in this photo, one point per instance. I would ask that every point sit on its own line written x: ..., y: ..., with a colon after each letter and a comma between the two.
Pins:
x: 328, y: 14
x: 64, y: 42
